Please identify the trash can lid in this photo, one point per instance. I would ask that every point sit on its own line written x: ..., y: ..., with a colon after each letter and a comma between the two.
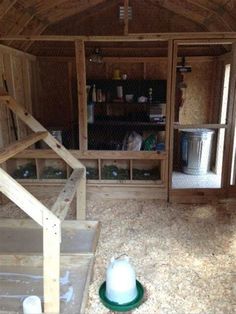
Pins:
x: 197, y: 131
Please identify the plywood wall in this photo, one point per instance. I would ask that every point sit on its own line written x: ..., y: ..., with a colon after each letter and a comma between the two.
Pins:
x: 135, y: 70
x: 17, y: 67
x: 56, y: 82
x: 200, y: 99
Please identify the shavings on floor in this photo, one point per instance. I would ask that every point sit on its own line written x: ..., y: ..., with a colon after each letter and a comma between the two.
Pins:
x: 184, y: 255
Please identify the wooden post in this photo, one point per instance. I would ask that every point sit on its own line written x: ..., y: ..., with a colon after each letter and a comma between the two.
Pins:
x: 51, y: 265
x: 170, y: 110
x: 81, y: 198
x: 231, y: 115
x: 82, y: 96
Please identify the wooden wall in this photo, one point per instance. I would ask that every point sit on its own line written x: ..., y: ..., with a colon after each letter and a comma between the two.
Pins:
x: 202, y: 87
x: 57, y: 77
x: 18, y: 68
x: 147, y: 18
x: 138, y: 68
x: 56, y: 82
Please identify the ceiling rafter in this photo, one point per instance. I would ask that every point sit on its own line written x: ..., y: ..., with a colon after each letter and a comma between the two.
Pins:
x: 71, y: 8
x: 26, y: 17
x: 30, y: 12
x: 83, y: 15
x: 216, y: 11
x: 181, y: 8
x: 5, y: 6
x: 34, y: 16
x: 84, y: 9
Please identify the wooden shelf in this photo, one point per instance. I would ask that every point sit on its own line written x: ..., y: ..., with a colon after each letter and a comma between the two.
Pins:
x: 127, y: 123
x: 94, y: 162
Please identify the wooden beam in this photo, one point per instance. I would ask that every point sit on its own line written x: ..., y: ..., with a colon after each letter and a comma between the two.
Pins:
x: 174, y: 60
x: 26, y: 201
x: 69, y: 8
x: 20, y: 145
x: 94, y: 154
x: 81, y: 198
x: 217, y: 11
x: 231, y: 116
x: 29, y: 120
x: 226, y: 37
x: 63, y: 202
x: 199, y: 126
x: 168, y: 139
x: 51, y: 267
x: 5, y: 6
x: 82, y: 96
x: 182, y: 8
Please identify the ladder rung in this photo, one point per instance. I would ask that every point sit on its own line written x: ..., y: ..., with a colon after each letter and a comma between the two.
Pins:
x: 62, y: 204
x: 18, y: 146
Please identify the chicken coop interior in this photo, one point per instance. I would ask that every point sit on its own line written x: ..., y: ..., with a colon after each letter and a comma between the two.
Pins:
x: 107, y: 107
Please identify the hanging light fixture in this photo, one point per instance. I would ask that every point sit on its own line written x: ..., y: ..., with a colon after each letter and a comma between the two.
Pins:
x: 96, y: 56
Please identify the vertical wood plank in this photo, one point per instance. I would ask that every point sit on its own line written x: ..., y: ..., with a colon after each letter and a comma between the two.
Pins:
x: 170, y: 110
x: 27, y: 74
x: 231, y: 117
x: 82, y: 97
x: 99, y: 169
x: 81, y: 198
x: 18, y: 90
x: 4, y: 130
x: 8, y: 77
x: 51, y: 267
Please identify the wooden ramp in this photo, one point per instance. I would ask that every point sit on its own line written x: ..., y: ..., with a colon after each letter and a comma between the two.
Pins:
x: 46, y: 256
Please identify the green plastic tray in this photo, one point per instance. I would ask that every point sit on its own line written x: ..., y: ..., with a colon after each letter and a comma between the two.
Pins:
x: 121, y: 307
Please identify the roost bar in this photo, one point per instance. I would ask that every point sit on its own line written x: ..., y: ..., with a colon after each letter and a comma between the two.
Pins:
x: 140, y: 93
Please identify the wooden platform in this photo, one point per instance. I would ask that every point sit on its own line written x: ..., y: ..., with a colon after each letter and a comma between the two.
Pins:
x: 21, y: 261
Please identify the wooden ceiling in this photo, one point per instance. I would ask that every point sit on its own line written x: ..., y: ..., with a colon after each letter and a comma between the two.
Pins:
x: 34, y: 17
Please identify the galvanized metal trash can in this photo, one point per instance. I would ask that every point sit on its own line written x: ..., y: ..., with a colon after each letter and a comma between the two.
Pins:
x: 196, y: 150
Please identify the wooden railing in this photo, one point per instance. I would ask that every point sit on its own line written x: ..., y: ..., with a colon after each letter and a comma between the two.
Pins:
x: 50, y: 220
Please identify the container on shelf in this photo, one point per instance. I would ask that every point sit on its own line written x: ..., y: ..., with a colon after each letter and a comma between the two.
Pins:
x: 196, y: 150
x: 90, y: 112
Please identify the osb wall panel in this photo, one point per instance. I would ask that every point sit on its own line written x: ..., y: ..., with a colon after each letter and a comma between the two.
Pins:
x: 54, y: 106
x: 197, y: 106
x: 154, y: 70
x: 133, y: 70
x: 95, y: 71
x: 157, y: 70
x: 16, y: 66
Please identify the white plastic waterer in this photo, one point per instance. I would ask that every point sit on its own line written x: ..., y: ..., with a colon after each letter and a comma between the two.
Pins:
x: 121, y: 281
x: 32, y: 305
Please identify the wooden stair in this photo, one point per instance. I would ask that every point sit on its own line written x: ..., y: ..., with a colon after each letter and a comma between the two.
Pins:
x: 49, y: 219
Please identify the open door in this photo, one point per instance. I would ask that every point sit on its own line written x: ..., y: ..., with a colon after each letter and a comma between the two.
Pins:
x: 202, y: 107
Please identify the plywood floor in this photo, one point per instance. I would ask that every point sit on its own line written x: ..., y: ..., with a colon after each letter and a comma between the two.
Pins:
x: 183, y: 255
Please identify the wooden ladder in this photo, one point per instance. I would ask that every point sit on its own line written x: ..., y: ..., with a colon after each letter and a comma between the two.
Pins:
x: 49, y: 219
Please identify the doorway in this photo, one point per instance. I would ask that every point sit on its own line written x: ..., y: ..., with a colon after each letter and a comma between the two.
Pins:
x: 199, y: 110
